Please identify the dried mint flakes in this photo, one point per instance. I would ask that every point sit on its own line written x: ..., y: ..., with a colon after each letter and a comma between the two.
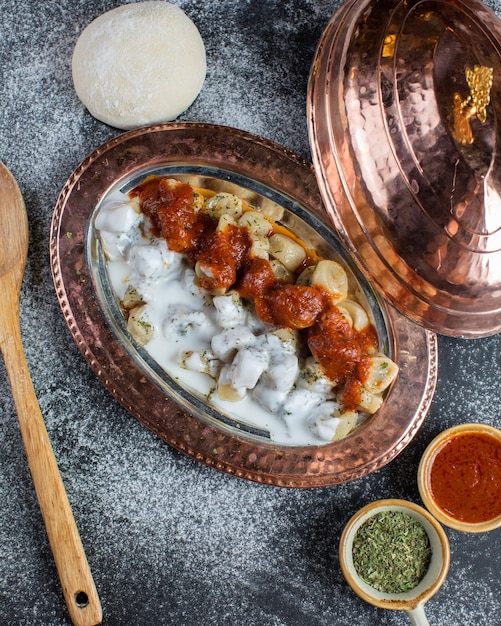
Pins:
x: 391, y: 551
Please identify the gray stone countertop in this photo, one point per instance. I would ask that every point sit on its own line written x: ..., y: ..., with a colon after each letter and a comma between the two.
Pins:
x: 171, y: 541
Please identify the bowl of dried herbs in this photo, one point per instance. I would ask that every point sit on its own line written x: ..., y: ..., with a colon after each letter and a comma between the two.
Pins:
x: 395, y: 555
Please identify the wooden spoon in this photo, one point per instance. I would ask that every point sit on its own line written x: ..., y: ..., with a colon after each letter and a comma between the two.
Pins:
x: 74, y: 572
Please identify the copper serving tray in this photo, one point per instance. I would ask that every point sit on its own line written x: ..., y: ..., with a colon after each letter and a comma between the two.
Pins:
x: 250, y: 162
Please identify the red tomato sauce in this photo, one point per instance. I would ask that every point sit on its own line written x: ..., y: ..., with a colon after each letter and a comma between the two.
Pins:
x: 342, y: 351
x: 465, y: 477
x: 222, y: 255
x: 256, y: 280
x: 292, y: 306
x: 170, y: 209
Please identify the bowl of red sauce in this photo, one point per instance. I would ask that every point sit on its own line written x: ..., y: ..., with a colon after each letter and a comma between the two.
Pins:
x: 459, y: 477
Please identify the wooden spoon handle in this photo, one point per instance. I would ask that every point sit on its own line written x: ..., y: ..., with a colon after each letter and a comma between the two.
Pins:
x: 76, y: 579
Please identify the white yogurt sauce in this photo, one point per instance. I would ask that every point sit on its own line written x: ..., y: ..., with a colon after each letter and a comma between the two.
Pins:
x: 188, y: 326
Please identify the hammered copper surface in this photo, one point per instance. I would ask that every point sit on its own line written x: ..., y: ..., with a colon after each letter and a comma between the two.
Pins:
x: 404, y: 113
x: 371, y: 446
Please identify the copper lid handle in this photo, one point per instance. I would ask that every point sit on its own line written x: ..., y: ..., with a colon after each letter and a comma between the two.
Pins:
x: 479, y: 81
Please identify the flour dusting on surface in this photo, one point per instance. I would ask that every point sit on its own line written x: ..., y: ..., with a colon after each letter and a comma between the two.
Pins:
x: 169, y: 540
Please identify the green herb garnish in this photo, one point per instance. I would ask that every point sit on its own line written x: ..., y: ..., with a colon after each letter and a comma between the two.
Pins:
x: 391, y: 551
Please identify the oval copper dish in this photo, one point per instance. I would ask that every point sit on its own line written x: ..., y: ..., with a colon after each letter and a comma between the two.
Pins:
x: 248, y: 160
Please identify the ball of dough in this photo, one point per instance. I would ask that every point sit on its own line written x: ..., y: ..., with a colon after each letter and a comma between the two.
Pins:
x: 139, y: 64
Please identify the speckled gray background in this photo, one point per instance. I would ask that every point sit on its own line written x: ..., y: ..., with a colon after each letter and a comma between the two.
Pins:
x: 169, y: 541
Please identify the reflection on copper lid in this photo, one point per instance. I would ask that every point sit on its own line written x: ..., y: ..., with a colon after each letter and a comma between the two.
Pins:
x: 404, y: 99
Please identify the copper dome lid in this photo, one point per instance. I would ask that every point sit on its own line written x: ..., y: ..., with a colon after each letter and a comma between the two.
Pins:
x: 404, y: 112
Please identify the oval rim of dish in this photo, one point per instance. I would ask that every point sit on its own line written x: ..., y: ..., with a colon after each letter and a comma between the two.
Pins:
x: 245, y: 155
